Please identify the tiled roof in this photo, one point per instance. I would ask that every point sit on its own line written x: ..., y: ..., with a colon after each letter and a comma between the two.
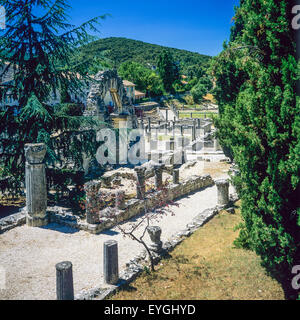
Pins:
x: 139, y: 94
x: 127, y: 83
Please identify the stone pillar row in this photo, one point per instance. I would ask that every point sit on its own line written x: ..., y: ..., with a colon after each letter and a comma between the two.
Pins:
x: 64, y: 270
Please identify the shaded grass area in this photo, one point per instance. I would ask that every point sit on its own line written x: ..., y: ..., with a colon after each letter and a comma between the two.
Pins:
x: 206, y: 266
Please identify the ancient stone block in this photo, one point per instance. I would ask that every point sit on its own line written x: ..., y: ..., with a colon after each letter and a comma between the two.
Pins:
x: 120, y: 199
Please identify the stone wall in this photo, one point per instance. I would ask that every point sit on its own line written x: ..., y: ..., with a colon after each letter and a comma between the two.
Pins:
x: 135, y: 207
x: 104, y: 81
x: 12, y: 221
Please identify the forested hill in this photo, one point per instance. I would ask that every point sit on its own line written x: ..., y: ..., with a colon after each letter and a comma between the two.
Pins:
x: 119, y: 50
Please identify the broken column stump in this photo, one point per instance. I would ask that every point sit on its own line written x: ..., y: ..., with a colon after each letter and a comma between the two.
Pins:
x: 223, y: 192
x: 110, y: 262
x: 36, y: 187
x: 64, y: 281
x: 140, y: 183
x: 176, y: 176
x: 158, y: 169
x: 155, y: 234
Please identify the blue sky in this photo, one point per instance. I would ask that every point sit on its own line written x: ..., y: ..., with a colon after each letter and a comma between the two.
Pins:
x: 195, y: 25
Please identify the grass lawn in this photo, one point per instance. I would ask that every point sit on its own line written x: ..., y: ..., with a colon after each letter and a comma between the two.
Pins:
x: 164, y: 137
x: 193, y: 107
x: 206, y: 266
x: 197, y: 115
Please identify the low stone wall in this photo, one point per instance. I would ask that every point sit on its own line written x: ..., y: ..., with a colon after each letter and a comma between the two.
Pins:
x: 12, y: 221
x: 108, y: 179
x: 135, y: 207
x: 131, y: 208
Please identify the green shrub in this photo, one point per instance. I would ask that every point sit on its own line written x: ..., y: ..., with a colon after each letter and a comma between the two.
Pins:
x: 198, y: 92
x: 260, y: 124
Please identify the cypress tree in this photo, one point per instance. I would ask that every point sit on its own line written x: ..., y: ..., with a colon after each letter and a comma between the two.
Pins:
x: 168, y: 70
x: 260, y: 125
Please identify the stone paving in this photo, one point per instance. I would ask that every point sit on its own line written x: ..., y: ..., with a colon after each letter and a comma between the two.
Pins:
x: 29, y: 255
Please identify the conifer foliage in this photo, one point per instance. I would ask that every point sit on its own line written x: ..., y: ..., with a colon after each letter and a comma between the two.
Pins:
x: 260, y: 125
x: 40, y: 46
x: 168, y: 70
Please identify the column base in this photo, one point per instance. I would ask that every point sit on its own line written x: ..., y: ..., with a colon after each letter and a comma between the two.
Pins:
x: 36, y: 221
x: 156, y: 247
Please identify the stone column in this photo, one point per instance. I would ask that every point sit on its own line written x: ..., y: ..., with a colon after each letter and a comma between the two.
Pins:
x: 217, y: 146
x: 223, y: 192
x: 153, y: 149
x: 149, y: 124
x: 92, y: 204
x: 64, y: 281
x: 172, y: 149
x: 176, y: 176
x: 110, y: 262
x: 158, y: 177
x: 172, y: 144
x: 155, y: 234
x: 167, y: 116
x: 160, y: 157
x: 36, y: 185
x: 174, y: 128
x: 194, y: 132
x: 140, y: 183
x: 182, y: 130
x: 182, y: 146
x: 120, y: 199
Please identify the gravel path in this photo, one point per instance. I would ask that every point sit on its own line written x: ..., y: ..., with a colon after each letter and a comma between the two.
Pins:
x: 28, y: 255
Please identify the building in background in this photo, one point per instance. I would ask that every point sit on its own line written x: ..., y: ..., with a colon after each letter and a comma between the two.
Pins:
x: 133, y: 94
x: 130, y: 90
